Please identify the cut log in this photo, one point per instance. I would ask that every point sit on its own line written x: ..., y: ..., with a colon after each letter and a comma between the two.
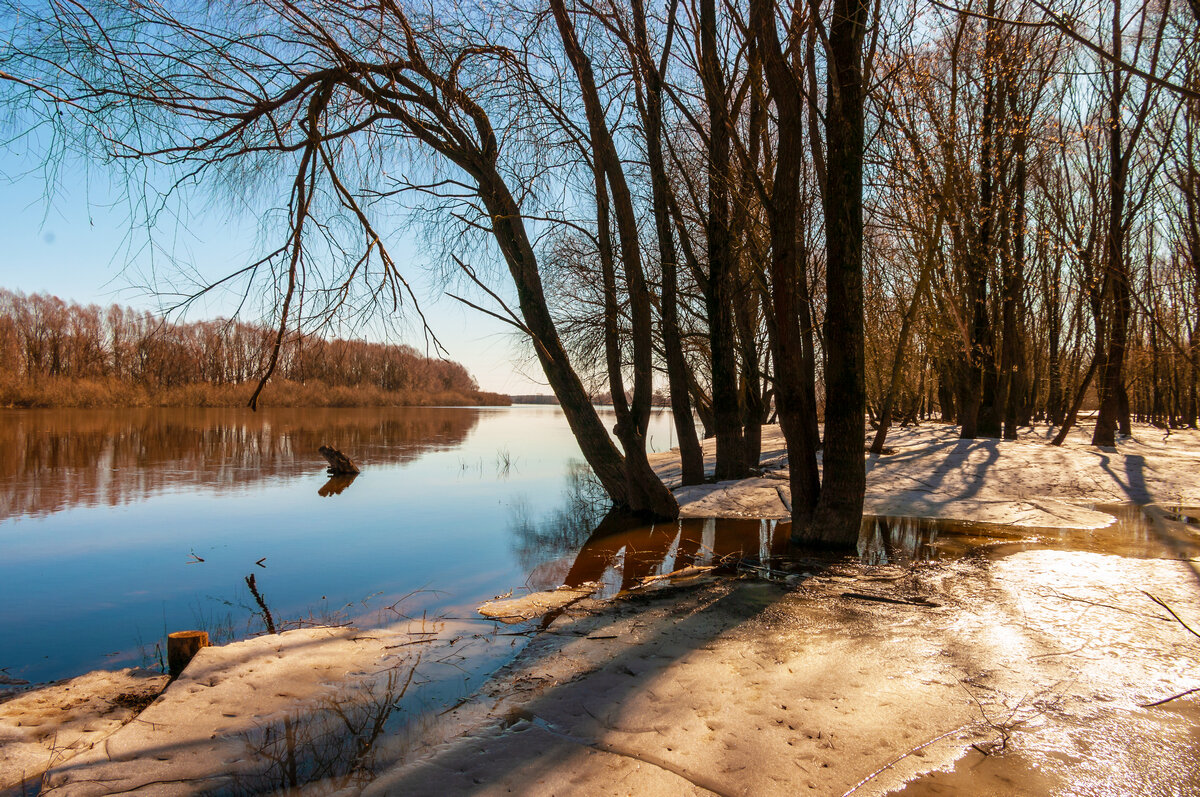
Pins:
x: 339, y: 463
x: 182, y: 646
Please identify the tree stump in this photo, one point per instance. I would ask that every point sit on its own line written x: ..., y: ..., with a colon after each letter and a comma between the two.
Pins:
x: 339, y: 463
x: 182, y: 646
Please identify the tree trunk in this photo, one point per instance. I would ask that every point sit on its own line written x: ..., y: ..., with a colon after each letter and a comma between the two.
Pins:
x: 1014, y: 362
x: 595, y: 444
x: 719, y: 294
x: 838, y: 518
x: 691, y: 455
x: 978, y: 413
x: 649, y: 494
x: 795, y: 409
x: 1117, y: 282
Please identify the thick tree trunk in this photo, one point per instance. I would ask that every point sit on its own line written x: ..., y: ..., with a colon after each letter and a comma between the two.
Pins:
x: 795, y: 409
x: 1117, y: 274
x: 1014, y: 362
x: 647, y: 491
x: 838, y: 518
x: 719, y: 292
x: 946, y: 392
x: 690, y: 453
x: 510, y: 234
x: 978, y: 413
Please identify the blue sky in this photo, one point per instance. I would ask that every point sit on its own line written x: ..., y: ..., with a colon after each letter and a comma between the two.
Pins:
x: 73, y: 240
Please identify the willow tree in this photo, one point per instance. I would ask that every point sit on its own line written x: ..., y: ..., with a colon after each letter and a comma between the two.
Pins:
x: 826, y: 507
x: 317, y: 102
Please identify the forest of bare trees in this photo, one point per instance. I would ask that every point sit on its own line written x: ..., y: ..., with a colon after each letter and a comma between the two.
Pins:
x: 56, y: 351
x: 829, y: 214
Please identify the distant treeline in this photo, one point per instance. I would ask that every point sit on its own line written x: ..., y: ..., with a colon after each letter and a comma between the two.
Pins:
x: 56, y: 353
x: 535, y: 398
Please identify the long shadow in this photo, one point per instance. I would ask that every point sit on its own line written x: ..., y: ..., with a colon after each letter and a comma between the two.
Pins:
x: 538, y: 738
x: 332, y: 738
x: 563, y: 721
x: 953, y: 455
x: 1134, y: 484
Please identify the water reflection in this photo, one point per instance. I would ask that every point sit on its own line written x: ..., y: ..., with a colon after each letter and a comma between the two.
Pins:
x: 1135, y: 534
x: 337, y: 484
x: 621, y: 552
x: 51, y: 460
x: 544, y: 546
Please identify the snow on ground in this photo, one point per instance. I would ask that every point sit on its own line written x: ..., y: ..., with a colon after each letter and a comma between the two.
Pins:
x: 52, y: 724
x: 931, y: 473
x: 232, y: 710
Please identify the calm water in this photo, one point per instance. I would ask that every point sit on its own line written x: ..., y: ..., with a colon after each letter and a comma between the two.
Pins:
x: 117, y: 526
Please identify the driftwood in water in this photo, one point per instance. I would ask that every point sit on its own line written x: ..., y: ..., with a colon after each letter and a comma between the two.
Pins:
x: 181, y: 647
x: 339, y: 463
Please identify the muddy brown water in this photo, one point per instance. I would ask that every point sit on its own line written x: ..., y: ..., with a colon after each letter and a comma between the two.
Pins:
x: 622, y: 558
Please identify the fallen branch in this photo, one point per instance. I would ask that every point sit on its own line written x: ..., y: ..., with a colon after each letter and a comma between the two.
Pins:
x: 1172, y: 697
x: 1163, y: 604
x: 901, y: 757
x: 683, y: 572
x: 863, y: 596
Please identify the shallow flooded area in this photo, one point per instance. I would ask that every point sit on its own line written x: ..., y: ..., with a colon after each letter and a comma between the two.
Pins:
x: 946, y: 659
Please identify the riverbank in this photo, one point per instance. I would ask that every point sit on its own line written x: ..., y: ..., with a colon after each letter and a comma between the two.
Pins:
x: 831, y: 677
x: 1028, y: 675
x: 52, y: 392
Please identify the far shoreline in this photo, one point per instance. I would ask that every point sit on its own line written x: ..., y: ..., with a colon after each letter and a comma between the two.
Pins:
x: 60, y: 393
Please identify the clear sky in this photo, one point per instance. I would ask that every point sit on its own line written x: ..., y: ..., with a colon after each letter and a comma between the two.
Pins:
x: 73, y: 240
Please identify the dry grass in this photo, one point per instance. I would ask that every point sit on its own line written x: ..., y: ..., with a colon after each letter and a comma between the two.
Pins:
x: 51, y: 392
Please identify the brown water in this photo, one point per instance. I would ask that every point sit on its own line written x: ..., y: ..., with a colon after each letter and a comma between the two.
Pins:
x: 621, y: 554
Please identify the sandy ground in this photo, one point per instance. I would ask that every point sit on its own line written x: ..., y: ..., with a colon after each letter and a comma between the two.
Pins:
x: 752, y: 688
x: 53, y: 724
x: 249, y: 717
x: 1018, y: 674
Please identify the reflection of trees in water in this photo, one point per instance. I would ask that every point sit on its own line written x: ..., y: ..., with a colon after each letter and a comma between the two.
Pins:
x: 338, y: 744
x: 623, y: 550
x: 889, y: 540
x: 55, y: 459
x: 540, y: 543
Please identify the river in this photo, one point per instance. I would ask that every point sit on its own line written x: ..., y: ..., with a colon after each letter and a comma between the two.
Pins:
x: 118, y: 526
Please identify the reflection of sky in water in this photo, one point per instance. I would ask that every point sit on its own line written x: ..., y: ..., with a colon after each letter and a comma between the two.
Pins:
x: 432, y: 509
